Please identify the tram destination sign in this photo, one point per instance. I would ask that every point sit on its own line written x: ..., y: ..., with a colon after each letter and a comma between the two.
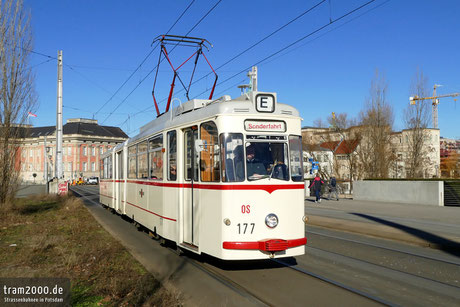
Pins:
x: 265, y: 126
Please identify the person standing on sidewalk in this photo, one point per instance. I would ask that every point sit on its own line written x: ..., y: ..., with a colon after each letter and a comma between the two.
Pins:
x: 333, y: 188
x: 316, y: 183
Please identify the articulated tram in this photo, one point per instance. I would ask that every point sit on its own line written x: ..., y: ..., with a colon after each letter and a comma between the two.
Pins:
x: 222, y: 177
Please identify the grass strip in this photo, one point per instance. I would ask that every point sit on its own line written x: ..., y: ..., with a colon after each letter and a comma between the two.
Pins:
x: 51, y: 236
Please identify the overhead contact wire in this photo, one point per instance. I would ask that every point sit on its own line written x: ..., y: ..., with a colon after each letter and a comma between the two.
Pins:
x: 295, y: 42
x: 140, y: 82
x: 143, y: 61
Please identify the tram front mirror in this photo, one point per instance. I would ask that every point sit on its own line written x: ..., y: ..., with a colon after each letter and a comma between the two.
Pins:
x: 200, y: 145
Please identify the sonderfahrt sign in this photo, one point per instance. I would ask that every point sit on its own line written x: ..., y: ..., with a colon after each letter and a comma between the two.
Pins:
x: 265, y: 126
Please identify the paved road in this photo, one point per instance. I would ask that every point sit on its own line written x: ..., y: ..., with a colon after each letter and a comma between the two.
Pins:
x: 391, y: 272
x: 433, y: 226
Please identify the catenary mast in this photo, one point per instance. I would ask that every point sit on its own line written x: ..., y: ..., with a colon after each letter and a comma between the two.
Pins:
x: 58, y: 165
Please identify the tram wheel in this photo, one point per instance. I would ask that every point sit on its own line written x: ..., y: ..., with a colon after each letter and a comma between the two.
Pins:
x: 154, y: 235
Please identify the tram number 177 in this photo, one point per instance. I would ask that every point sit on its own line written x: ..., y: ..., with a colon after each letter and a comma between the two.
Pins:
x: 243, y: 228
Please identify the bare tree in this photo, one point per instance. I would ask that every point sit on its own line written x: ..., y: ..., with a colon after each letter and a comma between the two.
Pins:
x: 417, y: 118
x: 450, y: 164
x: 348, y: 135
x: 17, y: 95
x: 341, y: 121
x: 375, y: 150
x: 319, y: 123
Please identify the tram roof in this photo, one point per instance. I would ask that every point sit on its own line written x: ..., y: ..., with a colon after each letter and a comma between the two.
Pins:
x: 197, y: 109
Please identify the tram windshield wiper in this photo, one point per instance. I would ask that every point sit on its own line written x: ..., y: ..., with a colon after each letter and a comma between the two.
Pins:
x: 258, y: 177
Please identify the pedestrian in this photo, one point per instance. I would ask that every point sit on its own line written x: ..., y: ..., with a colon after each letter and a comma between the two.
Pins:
x: 333, y: 188
x: 316, y: 184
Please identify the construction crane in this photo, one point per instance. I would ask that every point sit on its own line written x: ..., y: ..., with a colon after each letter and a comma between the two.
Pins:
x: 435, y: 102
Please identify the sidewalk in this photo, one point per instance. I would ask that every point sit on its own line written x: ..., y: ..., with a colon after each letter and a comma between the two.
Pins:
x: 431, y: 226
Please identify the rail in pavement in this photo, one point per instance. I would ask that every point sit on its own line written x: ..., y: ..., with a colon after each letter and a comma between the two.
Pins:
x: 430, y: 226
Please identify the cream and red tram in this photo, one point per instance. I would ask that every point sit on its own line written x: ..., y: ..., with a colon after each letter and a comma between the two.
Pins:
x: 222, y: 177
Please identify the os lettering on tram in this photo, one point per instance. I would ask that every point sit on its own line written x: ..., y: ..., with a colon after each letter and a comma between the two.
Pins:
x: 246, y: 209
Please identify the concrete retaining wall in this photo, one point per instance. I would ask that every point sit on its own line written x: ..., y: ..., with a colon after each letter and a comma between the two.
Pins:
x: 30, y: 189
x: 409, y: 192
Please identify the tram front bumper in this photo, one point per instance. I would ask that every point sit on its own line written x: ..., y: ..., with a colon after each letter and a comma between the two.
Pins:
x: 269, y: 245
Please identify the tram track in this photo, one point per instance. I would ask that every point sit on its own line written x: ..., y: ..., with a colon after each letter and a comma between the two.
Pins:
x: 427, y: 277
x: 387, y: 268
x: 449, y: 266
x: 337, y: 284
x: 214, y: 271
x: 223, y: 276
x: 386, y: 248
x: 347, y: 267
x: 239, y: 290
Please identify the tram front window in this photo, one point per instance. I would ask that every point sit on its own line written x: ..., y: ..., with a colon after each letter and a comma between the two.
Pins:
x: 266, y: 160
x: 232, y: 157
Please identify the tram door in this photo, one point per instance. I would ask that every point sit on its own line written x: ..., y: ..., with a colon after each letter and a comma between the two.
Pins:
x: 118, y: 177
x: 190, y: 200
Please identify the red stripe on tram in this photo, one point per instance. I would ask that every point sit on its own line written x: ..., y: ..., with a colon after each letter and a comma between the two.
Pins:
x: 164, y: 217
x: 265, y: 187
x: 271, y: 245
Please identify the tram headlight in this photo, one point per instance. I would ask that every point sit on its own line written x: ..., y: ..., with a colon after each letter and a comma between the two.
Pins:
x: 271, y: 220
x: 227, y: 222
x: 305, y: 219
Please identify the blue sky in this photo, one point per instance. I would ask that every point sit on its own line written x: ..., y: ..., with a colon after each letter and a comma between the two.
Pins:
x: 104, y: 41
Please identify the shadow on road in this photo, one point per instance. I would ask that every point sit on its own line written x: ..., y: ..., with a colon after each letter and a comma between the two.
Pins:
x: 441, y: 243
x: 244, y: 265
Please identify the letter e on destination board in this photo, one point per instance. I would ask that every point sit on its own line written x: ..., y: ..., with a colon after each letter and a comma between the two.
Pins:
x: 265, y: 103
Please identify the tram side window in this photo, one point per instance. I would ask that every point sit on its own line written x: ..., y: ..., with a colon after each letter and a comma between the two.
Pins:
x: 142, y: 160
x: 109, y: 167
x: 106, y: 167
x: 209, y: 159
x: 172, y: 156
x: 120, y: 165
x: 232, y: 156
x: 156, y: 157
x: 295, y: 148
x: 192, y: 156
x: 101, y: 169
x: 132, y: 164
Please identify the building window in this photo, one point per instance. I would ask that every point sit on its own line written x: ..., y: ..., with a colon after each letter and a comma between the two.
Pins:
x: 85, y: 166
x: 93, y: 166
x: 69, y: 151
x: 70, y: 166
x: 31, y: 153
x: 93, y: 151
x: 85, y: 150
x: 101, y: 150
